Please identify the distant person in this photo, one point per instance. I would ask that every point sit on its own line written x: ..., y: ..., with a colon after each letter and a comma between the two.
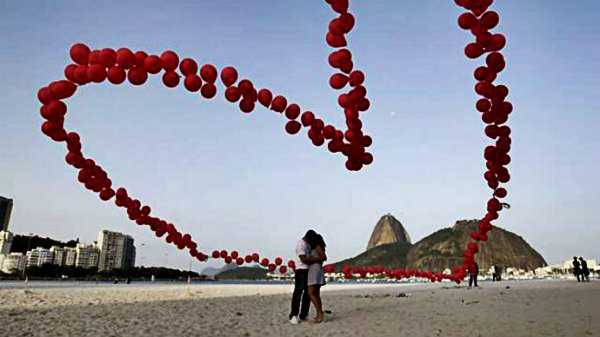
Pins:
x: 129, y: 280
x: 300, y: 297
x: 497, y: 272
x: 316, y: 276
x: 576, y: 268
x: 585, y: 272
x: 473, y: 271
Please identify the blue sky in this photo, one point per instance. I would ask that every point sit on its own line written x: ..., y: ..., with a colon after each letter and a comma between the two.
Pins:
x: 239, y: 181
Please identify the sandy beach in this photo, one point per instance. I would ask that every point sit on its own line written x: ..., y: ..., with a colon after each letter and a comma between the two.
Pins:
x: 511, y: 308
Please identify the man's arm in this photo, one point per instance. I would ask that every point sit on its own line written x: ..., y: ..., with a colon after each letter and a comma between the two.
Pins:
x: 308, y: 260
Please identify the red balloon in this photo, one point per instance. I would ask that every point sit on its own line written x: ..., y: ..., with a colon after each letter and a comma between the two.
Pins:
x: 188, y: 67
x: 228, y: 260
x: 139, y: 57
x: 491, y: 131
x: 495, y: 62
x: 292, y: 127
x: 307, y: 118
x: 153, y: 64
x: 246, y: 105
x: 229, y: 76
x: 292, y: 111
x: 283, y: 269
x: 272, y: 267
x: 335, y: 41
x: 467, y: 20
x: 232, y: 94
x: 57, y: 108
x: 246, y: 87
x: 367, y: 158
x: 116, y: 75
x: 489, y: 20
x: 356, y: 78
x: 69, y: 72
x: 279, y: 104
x: 192, y: 82
x: 483, y: 105
x: 474, y: 50
x: 137, y: 76
x: 125, y: 58
x: 62, y: 89
x: 264, y: 262
x: 239, y: 261
x: 209, y: 90
x: 170, y: 78
x: 265, y: 97
x: 170, y: 60
x: 347, y: 67
x: 96, y: 73
x: 500, y: 192
x: 497, y: 42
x: 367, y: 141
x: 329, y: 132
x: 80, y: 75
x: 108, y: 57
x: 107, y: 194
x: 215, y: 253
x: 79, y: 53
x: 338, y: 81
x: 481, y: 73
x: 248, y: 259
x: 347, y: 21
x: 209, y: 73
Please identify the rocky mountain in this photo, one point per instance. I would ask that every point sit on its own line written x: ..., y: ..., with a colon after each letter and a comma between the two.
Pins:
x: 388, y: 230
x: 444, y: 249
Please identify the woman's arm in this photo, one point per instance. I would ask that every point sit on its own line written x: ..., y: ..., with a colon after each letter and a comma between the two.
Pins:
x: 321, y: 252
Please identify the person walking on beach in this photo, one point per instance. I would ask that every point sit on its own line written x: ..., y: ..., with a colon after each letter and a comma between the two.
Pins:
x: 585, y: 272
x: 300, y: 298
x: 316, y: 276
x: 473, y: 271
x: 576, y: 268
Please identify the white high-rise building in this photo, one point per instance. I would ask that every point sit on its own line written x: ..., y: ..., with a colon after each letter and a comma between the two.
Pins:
x: 59, y: 255
x: 39, y: 256
x: 12, y: 262
x: 70, y: 256
x: 6, y: 239
x: 116, y: 250
x: 87, y: 256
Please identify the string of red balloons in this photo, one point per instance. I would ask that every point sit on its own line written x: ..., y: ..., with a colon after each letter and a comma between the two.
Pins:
x: 97, y: 66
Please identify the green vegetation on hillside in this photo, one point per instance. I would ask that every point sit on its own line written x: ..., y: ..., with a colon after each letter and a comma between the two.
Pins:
x: 21, y: 242
x: 243, y: 273
x: 391, y: 256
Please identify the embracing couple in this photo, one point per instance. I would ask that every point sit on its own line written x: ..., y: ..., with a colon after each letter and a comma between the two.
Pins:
x: 309, y: 277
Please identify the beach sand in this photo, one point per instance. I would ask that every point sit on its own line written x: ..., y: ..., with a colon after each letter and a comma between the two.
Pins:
x: 508, y: 308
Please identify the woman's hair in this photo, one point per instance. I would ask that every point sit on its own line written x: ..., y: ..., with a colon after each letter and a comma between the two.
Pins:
x: 319, y: 241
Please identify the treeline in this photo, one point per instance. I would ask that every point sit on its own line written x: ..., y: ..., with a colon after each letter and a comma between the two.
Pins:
x: 21, y: 242
x: 54, y: 271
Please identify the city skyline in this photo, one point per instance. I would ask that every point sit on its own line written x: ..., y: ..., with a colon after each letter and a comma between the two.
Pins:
x: 113, y: 250
x: 239, y: 182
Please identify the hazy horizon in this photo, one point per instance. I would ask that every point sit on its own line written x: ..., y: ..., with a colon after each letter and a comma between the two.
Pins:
x: 238, y: 181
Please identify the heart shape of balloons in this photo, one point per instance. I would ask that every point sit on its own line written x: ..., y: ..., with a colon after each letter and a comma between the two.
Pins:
x: 96, y: 66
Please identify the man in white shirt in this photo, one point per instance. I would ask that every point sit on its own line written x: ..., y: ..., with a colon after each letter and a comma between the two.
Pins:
x: 300, y: 299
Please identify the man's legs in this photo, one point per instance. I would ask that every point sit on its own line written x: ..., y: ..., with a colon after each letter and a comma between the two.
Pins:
x: 305, y: 300
x: 300, y: 280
